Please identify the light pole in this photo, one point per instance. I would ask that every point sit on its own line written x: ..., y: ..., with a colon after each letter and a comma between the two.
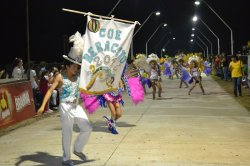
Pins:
x: 157, y: 45
x: 162, y: 50
x: 157, y: 13
x: 195, y: 19
x: 204, y: 52
x: 165, y: 45
x: 164, y: 25
x: 193, y: 29
x: 231, y: 32
x: 28, y: 38
x: 203, y: 43
x: 114, y: 8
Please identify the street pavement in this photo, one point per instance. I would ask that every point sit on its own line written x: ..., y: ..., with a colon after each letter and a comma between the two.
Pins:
x: 175, y: 130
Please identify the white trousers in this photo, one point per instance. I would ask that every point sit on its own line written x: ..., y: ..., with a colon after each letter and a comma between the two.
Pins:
x: 70, y: 114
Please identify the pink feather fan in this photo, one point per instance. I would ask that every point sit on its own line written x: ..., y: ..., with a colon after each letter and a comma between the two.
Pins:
x: 137, y: 92
x: 90, y: 103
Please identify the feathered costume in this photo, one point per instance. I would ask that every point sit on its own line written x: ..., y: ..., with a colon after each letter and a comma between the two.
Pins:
x: 185, y: 76
x: 154, y: 74
x: 132, y: 85
x: 207, y: 68
x: 141, y: 63
x: 167, y: 71
x: 113, y: 97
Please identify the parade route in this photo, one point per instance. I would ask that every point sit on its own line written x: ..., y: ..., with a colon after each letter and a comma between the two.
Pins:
x: 175, y: 130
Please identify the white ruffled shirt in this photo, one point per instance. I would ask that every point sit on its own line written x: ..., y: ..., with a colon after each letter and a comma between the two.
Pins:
x: 17, y: 73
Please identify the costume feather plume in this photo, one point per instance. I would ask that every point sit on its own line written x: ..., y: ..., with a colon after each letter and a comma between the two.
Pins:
x: 141, y: 62
x: 146, y: 81
x: 90, y: 103
x: 137, y: 92
x: 185, y: 76
x: 207, y: 68
x: 167, y: 71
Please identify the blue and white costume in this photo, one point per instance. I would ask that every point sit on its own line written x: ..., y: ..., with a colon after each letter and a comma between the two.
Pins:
x: 72, y: 113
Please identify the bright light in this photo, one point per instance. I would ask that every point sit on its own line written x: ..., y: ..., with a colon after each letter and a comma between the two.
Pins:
x: 173, y: 38
x: 197, y: 3
x: 193, y: 29
x: 157, y: 13
x: 195, y: 18
x: 163, y: 50
x: 165, y: 25
x: 191, y: 40
x: 192, y: 35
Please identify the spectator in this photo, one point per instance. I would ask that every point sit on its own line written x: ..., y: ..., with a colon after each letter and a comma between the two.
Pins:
x: 224, y: 64
x: 245, y: 68
x: 3, y: 73
x: 18, y: 70
x: 235, y: 67
x: 245, y: 74
x: 43, y: 66
x: 34, y: 83
x: 44, y: 86
x: 55, y: 94
x: 33, y: 77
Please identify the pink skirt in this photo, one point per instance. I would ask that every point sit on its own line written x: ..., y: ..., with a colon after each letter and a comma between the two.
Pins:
x: 111, y: 98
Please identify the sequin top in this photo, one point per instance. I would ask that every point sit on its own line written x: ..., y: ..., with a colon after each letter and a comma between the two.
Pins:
x: 69, y: 90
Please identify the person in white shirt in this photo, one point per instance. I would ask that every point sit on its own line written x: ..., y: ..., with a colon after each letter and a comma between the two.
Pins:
x: 34, y: 83
x: 196, y: 75
x: 33, y: 77
x: 155, y: 77
x: 18, y: 70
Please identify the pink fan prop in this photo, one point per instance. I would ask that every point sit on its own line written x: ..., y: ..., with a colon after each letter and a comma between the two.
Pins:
x: 137, y: 92
x: 90, y: 103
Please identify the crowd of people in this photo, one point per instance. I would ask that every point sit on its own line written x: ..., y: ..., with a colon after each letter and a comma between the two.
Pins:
x: 56, y: 87
x: 221, y: 66
x: 41, y: 77
x: 185, y: 67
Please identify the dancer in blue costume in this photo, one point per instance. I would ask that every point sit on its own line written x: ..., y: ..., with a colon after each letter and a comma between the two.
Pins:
x: 70, y: 111
x: 184, y: 75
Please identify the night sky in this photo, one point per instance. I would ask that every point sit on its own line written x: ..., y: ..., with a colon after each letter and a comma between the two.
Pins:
x: 50, y: 27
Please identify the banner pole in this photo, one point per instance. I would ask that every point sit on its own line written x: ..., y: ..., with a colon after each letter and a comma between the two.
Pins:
x: 99, y: 16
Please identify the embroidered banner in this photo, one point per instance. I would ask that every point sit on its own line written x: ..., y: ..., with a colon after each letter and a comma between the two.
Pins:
x: 106, y: 47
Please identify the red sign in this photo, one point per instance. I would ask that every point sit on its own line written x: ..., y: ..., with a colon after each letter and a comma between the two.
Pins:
x: 16, y: 103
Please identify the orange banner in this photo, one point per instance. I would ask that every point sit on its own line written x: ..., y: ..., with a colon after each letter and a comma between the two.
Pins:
x: 16, y: 103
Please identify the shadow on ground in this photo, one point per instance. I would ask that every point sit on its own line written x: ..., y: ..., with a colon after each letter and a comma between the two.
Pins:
x: 100, y: 126
x: 45, y: 159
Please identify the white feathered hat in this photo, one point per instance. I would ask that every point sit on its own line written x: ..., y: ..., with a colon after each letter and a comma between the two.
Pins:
x: 141, y: 62
x: 152, y: 57
x: 193, y: 58
x: 75, y: 53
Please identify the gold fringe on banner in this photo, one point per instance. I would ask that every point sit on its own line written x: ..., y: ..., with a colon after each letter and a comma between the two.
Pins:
x: 97, y: 92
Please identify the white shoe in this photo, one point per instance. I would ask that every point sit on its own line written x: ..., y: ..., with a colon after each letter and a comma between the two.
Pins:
x: 48, y: 111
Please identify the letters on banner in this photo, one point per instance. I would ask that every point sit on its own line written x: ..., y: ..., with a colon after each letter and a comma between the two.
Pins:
x: 106, y: 47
